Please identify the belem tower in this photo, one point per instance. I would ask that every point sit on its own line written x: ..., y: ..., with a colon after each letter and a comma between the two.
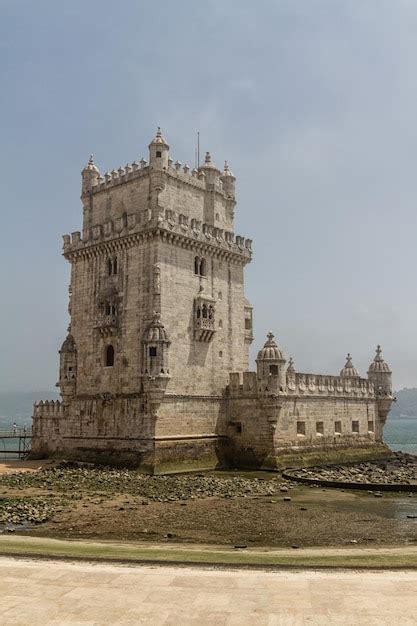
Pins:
x: 154, y: 371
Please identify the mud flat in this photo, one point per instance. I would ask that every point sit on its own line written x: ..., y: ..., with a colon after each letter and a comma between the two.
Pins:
x: 222, y: 508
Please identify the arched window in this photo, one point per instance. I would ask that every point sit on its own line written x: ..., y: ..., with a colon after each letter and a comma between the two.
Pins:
x: 204, y: 311
x: 109, y: 356
x: 112, y: 266
x: 196, y: 265
x: 203, y: 271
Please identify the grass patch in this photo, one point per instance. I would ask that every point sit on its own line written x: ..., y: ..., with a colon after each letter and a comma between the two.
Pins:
x: 128, y: 552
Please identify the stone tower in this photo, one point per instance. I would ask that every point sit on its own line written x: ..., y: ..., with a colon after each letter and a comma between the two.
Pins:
x: 157, y: 304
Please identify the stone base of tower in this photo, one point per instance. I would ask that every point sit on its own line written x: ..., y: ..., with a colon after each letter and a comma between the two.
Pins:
x: 252, y: 458
x: 189, y: 454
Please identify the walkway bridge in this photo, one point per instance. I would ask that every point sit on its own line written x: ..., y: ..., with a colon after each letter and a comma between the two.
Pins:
x: 15, y: 442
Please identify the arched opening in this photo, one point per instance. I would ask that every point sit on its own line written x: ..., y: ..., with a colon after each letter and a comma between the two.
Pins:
x: 109, y: 356
x: 196, y: 265
x: 204, y: 311
x: 112, y: 266
x: 203, y: 267
x: 273, y: 370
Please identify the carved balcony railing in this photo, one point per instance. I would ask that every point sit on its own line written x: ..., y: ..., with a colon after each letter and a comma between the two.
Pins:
x: 204, y: 328
x: 106, y: 324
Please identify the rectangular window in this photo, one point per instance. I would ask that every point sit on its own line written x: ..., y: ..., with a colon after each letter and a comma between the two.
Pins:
x: 152, y: 351
x: 355, y: 426
x: 338, y: 428
x: 158, y: 154
x: 248, y: 323
x: 238, y: 427
x: 371, y: 427
x: 301, y: 428
x: 320, y: 428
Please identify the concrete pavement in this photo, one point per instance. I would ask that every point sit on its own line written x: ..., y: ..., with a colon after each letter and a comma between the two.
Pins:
x: 57, y: 592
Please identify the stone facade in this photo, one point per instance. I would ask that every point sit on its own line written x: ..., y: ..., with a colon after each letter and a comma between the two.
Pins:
x: 154, y: 369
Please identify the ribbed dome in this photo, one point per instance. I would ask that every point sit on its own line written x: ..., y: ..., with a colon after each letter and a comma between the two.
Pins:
x: 91, y: 167
x: 156, y: 331
x: 378, y: 364
x: 226, y: 171
x: 208, y: 164
x: 349, y: 371
x: 68, y: 344
x: 270, y: 351
x: 158, y: 139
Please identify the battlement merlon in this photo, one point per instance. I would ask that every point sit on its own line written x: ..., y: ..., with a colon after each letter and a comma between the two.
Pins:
x: 128, y: 230
x: 300, y: 384
x: 219, y: 182
x: 211, y: 192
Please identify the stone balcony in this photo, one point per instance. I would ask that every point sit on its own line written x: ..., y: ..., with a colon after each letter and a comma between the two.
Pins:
x: 204, y: 328
x: 106, y: 324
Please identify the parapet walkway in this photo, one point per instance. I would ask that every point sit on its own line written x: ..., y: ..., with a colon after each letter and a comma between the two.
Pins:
x: 56, y: 592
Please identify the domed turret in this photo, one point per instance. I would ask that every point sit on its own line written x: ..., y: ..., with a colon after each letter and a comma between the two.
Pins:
x: 228, y: 181
x: 158, y: 151
x: 380, y: 374
x: 271, y: 367
x: 67, y: 368
x: 90, y: 175
x: 209, y: 170
x: 349, y: 370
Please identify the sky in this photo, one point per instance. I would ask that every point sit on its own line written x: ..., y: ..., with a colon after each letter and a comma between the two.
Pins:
x: 313, y: 104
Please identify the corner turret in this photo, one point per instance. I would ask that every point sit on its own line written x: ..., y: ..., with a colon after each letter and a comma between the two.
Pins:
x: 270, y: 364
x: 90, y: 176
x: 380, y: 375
x: 68, y: 368
x: 210, y: 171
x: 228, y: 181
x: 158, y: 152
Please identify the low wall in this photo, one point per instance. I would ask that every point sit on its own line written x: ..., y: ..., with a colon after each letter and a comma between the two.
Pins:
x: 351, y: 485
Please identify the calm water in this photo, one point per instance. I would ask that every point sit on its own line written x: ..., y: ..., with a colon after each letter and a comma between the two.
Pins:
x: 401, y: 434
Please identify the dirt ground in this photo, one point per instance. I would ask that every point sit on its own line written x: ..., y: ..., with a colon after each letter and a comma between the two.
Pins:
x: 307, y: 517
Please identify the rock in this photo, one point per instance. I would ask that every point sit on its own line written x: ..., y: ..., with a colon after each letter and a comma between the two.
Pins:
x: 284, y: 489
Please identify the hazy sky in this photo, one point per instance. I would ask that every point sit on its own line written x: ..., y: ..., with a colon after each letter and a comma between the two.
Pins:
x: 313, y: 103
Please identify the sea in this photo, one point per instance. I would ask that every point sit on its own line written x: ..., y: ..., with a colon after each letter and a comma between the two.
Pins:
x: 399, y: 433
